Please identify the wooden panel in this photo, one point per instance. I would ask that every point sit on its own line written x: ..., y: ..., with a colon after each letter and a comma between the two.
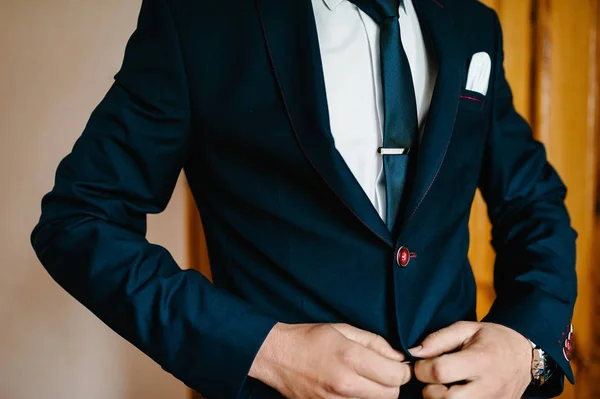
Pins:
x: 594, y: 352
x: 566, y: 123
x: 594, y: 359
x: 590, y: 388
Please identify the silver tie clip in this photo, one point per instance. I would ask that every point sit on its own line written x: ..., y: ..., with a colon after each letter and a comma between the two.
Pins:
x: 393, y: 151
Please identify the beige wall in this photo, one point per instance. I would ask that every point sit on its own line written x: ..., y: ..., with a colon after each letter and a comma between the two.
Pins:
x: 57, y: 59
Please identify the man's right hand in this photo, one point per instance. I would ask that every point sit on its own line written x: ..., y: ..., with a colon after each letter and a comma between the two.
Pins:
x: 329, y: 361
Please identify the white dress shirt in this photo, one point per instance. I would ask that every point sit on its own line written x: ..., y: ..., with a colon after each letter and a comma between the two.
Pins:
x: 349, y: 43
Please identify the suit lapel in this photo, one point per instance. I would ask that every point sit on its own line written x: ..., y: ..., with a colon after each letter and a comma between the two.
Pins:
x: 292, y: 42
x: 438, y: 28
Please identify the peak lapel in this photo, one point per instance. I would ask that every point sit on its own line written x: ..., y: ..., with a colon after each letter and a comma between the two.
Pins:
x: 291, y: 38
x: 437, y: 24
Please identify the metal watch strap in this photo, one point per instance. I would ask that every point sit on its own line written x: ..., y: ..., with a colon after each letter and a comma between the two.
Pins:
x: 542, y: 366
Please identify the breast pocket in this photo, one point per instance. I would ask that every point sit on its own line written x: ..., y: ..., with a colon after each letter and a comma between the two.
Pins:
x: 472, y: 100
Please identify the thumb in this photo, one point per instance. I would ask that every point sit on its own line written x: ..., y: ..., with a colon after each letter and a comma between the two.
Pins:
x: 446, y: 340
x: 369, y: 340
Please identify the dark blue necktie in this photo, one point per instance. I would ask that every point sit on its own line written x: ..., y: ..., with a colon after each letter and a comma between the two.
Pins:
x: 400, y: 108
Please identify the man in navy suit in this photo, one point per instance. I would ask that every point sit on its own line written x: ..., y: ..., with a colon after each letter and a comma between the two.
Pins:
x: 333, y: 148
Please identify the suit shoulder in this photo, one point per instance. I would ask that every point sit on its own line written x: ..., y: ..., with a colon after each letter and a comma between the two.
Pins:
x: 474, y: 20
x: 473, y: 9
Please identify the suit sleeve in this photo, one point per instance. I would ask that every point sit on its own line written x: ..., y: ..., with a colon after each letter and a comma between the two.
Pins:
x: 534, y: 274
x: 91, y: 233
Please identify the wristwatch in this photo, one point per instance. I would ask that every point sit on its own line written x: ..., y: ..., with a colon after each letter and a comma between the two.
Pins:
x: 542, y: 366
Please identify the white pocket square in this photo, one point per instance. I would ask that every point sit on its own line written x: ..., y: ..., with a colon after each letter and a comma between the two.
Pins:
x: 478, y: 79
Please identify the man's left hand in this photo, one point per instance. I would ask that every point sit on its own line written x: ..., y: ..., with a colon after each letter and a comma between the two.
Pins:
x: 474, y: 360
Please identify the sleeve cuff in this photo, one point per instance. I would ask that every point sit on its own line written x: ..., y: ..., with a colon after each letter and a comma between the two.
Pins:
x: 545, y: 321
x: 228, y: 376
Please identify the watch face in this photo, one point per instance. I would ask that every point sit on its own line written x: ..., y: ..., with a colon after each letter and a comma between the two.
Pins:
x: 538, y: 365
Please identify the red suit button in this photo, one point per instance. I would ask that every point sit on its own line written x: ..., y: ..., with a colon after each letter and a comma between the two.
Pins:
x: 403, y: 257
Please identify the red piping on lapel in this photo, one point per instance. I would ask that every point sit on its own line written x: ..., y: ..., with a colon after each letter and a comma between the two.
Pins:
x: 436, y: 174
x: 472, y: 99
x: 430, y: 184
x: 289, y: 115
x: 438, y: 3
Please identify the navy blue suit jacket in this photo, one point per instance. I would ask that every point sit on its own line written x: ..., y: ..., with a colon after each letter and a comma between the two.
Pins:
x: 233, y: 93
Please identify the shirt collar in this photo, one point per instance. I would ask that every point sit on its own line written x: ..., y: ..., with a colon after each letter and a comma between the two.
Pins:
x: 332, y: 4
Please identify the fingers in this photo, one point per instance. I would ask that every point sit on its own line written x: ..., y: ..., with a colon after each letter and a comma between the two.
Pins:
x: 435, y: 392
x: 449, y: 368
x: 369, y: 340
x: 443, y: 392
x: 446, y: 340
x: 377, y: 368
x: 378, y: 344
x: 371, y: 365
